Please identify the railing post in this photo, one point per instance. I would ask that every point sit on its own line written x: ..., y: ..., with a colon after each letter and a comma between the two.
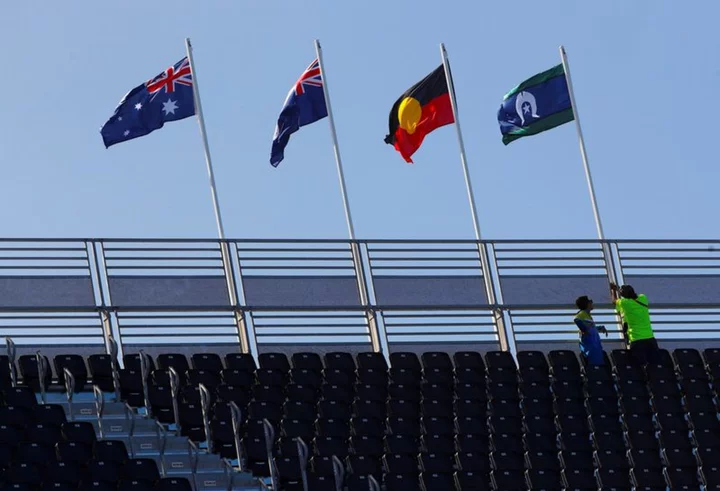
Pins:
x: 236, y: 415
x: 506, y: 334
x: 40, y: 360
x: 377, y: 337
x: 174, y: 392
x: 144, y: 374
x: 246, y: 333
x: 99, y: 408
x: 12, y: 355
x: 615, y: 275
x: 269, y: 441
x: 303, y: 454
x: 205, y: 406
x: 114, y: 367
x: 69, y: 379
x: 373, y: 484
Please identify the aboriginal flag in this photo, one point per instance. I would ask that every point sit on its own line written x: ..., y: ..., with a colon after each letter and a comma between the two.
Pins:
x: 423, y: 108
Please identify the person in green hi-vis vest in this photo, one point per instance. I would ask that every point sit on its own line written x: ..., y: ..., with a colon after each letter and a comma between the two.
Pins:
x: 635, y: 312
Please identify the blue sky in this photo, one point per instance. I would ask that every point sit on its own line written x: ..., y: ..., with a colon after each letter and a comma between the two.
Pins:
x: 646, y: 77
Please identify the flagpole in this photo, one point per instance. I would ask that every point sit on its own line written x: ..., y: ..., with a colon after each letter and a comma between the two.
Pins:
x: 206, y: 146
x: 463, y: 157
x: 583, y: 152
x: 336, y: 147
x: 507, y: 338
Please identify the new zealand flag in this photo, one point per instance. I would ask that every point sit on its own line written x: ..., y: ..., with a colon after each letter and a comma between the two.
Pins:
x: 147, y: 107
x: 304, y: 105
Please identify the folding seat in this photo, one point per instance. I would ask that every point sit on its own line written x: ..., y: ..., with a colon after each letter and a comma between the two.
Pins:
x: 255, y: 452
x: 471, y: 392
x: 680, y: 457
x: 307, y: 361
x: 697, y: 387
x: 503, y: 375
x: 636, y: 388
x: 210, y: 379
x: 699, y: 404
x: 177, y: 361
x: 597, y: 406
x: 340, y: 361
x: 405, y: 360
x: 104, y: 471
x: 638, y: 422
x: 35, y: 453
x: 403, y: 426
x: 30, y: 374
x: 5, y: 374
x: 661, y: 372
x: 333, y: 410
x: 268, y: 393
x: 536, y: 407
x: 508, y: 479
x: 636, y: 405
x: 437, y: 463
x: 436, y: 482
x: 329, y: 445
x: 440, y: 392
x: 577, y: 442
x: 368, y: 359
x: 343, y: 394
x: 332, y: 427
x: 571, y: 459
x: 335, y: 376
x: 535, y: 390
x: 77, y: 452
x: 404, y: 377
x: 21, y: 397
x: 304, y: 411
x: 321, y: 465
x: 366, y: 445
x: 532, y: 359
x: 542, y: 460
x: 300, y: 393
x: 372, y: 376
x: 110, y: 451
x: 499, y: 359
x: 710, y: 470
x: 543, y: 479
x: 271, y: 376
x: 44, y: 434
x: 379, y: 393
x: 573, y: 423
x: 662, y: 387
x: 613, y: 478
x: 540, y: 442
x: 648, y: 477
x: 595, y: 373
x: 402, y: 464
x: 289, y: 473
x: 231, y: 393
x: 437, y: 376
x: 671, y: 421
x: 132, y: 484
x: 131, y: 361
x: 161, y: 377
x: 436, y: 360
x: 355, y: 482
x: 500, y: 423
x: 506, y: 442
x: 477, y: 443
x: 101, y: 371
x: 505, y: 407
x: 263, y: 409
x: 24, y: 474
x: 401, y: 444
x: 161, y: 403
x: 52, y: 414
x: 504, y: 392
x: 469, y: 375
x: 600, y: 388
x: 705, y: 438
x: 705, y: 420
x: 406, y: 409
x: 221, y: 432
x: 431, y: 408
x: 630, y: 372
x: 367, y: 427
x: 191, y: 421
x: 402, y: 482
x: 534, y: 374
x: 679, y: 478
x: 173, y: 484
x: 608, y: 440
x: 274, y: 361
x: 369, y: 409
x: 240, y: 361
x: 471, y: 425
x: 564, y: 406
x: 406, y: 392
x: 579, y: 479
x: 666, y: 404
x: 296, y: 428
x: 470, y: 408
x: 61, y: 475
x: 471, y: 481
x: 558, y: 358
x: 642, y: 440
x: 539, y: 424
x: 75, y: 365
x: 437, y: 426
x: 363, y: 465
x: 469, y: 359
x: 476, y: 462
x: 309, y: 378
x: 131, y: 387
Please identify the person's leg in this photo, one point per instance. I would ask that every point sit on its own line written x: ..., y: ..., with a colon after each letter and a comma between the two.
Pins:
x: 639, y: 352
x: 652, y: 351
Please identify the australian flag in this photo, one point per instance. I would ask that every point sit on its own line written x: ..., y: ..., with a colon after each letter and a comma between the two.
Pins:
x: 147, y: 107
x: 305, y: 104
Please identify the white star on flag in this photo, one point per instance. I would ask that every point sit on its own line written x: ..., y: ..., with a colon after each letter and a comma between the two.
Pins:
x: 138, y: 106
x: 126, y: 133
x: 169, y: 107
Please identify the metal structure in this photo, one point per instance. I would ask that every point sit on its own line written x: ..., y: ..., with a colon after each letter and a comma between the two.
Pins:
x: 128, y: 294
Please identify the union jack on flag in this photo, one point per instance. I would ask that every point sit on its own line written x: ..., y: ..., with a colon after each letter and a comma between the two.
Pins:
x: 305, y: 104
x: 147, y: 107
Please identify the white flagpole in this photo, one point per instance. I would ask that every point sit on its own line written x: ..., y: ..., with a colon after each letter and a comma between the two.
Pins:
x: 336, y: 147
x: 203, y: 133
x: 583, y: 152
x: 463, y: 158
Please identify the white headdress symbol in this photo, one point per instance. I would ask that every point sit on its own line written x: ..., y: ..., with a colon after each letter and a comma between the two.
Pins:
x: 529, y: 99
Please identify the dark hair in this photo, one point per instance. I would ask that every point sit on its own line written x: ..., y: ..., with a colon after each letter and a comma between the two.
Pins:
x: 582, y: 302
x: 627, y: 291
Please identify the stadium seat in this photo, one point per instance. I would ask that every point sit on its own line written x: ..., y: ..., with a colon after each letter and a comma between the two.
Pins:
x: 131, y: 361
x: 210, y: 362
x: 76, y: 365
x: 340, y: 361
x: 436, y: 360
x: 307, y: 361
x: 274, y: 361
x: 101, y: 371
x: 469, y: 359
x: 405, y: 361
x: 240, y: 361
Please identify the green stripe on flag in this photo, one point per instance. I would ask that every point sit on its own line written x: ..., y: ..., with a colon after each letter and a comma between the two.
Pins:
x: 542, y: 125
x: 536, y: 80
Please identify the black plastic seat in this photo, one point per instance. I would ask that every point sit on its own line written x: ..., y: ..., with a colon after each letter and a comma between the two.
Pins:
x: 439, y: 444
x: 328, y: 445
x: 79, y: 431
x: 44, y: 434
x: 131, y: 361
x: 544, y: 479
x: 403, y: 426
x: 21, y: 397
x: 111, y: 451
x: 77, y: 452
x: 52, y: 414
x: 75, y: 364
x: 101, y: 371
x: 240, y: 361
x: 472, y: 443
x: 30, y: 374
x: 61, y: 475
x: 173, y: 484
x: 274, y: 361
x: 210, y: 362
x: 401, y: 444
x: 369, y: 409
x: 38, y: 453
x: 209, y: 378
x: 369, y: 359
x: 177, y: 361
x: 340, y: 360
x: 131, y: 387
x: 367, y: 445
x: 237, y: 377
x: 439, y: 360
x: 307, y: 377
x: 307, y: 361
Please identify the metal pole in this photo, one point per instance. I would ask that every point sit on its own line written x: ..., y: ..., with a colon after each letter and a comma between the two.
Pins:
x: 507, y: 339
x: 336, y: 148
x: 583, y: 152
x: 203, y: 133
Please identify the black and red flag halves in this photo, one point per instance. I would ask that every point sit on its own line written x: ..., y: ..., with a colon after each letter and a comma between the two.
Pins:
x: 423, y: 108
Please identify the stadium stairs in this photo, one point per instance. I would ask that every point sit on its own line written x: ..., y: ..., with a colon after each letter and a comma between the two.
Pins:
x: 435, y: 422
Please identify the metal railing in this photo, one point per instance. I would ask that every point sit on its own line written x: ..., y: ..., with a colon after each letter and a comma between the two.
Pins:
x: 367, y: 294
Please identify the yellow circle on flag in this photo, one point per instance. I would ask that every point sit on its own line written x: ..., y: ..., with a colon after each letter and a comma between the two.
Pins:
x: 409, y: 114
